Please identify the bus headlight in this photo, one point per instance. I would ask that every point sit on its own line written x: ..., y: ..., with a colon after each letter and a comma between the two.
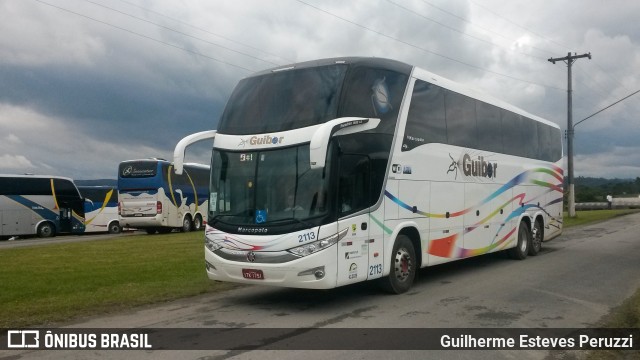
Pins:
x: 211, y: 245
x: 310, y: 248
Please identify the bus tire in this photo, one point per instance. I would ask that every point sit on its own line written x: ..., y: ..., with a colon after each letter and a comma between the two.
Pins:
x: 197, y: 223
x: 524, y: 240
x: 46, y: 230
x: 403, y: 267
x: 186, y: 224
x: 537, y: 235
x: 114, y: 227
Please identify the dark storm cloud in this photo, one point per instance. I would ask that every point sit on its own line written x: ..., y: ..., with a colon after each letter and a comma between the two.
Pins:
x: 124, y: 85
x: 123, y: 111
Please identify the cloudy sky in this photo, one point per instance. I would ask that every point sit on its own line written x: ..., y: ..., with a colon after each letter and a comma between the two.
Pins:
x: 85, y: 84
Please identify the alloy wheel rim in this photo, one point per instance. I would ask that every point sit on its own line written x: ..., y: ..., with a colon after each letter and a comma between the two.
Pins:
x: 403, y: 264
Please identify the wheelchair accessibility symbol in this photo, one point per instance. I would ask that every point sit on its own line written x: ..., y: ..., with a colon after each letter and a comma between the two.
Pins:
x: 261, y: 216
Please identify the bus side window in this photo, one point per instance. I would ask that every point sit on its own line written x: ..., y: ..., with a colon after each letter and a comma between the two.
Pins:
x: 426, y: 120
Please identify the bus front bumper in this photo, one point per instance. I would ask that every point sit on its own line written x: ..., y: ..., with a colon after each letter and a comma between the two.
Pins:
x: 316, y: 271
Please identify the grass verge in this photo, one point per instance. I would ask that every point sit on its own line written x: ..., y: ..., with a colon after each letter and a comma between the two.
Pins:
x: 585, y: 217
x: 625, y: 316
x: 55, y: 283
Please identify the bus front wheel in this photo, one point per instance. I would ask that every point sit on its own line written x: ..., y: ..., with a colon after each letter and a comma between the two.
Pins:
x: 403, y: 267
x: 46, y: 230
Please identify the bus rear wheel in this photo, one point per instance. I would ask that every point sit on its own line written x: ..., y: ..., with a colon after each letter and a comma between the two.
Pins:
x: 524, y: 240
x: 186, y: 224
x: 197, y: 223
x: 537, y: 235
x: 403, y: 267
x: 46, y: 230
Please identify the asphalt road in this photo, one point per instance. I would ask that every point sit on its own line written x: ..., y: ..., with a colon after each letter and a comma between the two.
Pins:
x: 576, y: 280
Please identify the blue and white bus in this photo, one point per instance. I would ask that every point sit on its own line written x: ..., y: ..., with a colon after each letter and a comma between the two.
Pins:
x: 100, y: 209
x: 336, y: 171
x: 152, y: 197
x: 39, y: 205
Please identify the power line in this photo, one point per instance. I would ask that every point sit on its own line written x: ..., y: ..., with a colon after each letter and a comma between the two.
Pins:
x: 518, y: 25
x: 180, y: 32
x: 563, y: 46
x: 206, y: 31
x: 456, y: 30
x: 598, y: 112
x: 598, y: 86
x: 146, y: 37
x: 480, y: 27
x: 424, y: 49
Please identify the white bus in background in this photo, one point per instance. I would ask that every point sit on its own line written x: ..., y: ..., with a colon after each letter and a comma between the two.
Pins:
x: 101, y: 209
x: 336, y: 171
x: 39, y: 205
x: 152, y: 197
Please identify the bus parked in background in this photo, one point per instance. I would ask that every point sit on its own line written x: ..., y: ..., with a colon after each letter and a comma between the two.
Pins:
x: 39, y: 205
x: 100, y: 209
x: 152, y: 197
x: 336, y: 171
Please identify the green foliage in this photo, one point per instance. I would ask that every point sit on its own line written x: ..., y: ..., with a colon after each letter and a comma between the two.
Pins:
x: 585, y: 217
x: 597, y: 189
x: 625, y: 316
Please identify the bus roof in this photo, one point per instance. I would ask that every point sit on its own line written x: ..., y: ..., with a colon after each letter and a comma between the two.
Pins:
x: 30, y: 176
x: 389, y: 64
x: 414, y: 71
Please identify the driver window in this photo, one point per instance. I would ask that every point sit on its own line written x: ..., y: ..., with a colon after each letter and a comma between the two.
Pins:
x: 354, y: 184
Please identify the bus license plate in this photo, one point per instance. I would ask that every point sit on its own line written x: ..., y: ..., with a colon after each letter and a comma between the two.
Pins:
x: 252, y: 274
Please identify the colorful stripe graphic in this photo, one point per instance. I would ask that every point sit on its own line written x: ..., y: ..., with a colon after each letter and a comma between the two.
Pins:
x: 447, y: 246
x: 104, y: 204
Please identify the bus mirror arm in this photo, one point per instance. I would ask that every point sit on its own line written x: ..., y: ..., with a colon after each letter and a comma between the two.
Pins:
x: 178, y: 153
x: 336, y: 127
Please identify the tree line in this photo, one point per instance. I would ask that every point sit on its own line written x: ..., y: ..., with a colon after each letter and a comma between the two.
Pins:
x: 590, y: 189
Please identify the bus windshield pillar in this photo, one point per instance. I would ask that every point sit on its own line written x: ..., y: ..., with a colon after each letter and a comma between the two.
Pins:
x: 178, y: 153
x: 336, y: 127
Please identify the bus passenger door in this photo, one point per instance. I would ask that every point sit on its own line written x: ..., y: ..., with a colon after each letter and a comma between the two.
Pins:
x: 353, y: 200
x: 65, y: 219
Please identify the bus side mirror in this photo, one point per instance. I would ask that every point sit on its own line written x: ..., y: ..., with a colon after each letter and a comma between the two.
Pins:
x: 337, y: 127
x: 178, y: 153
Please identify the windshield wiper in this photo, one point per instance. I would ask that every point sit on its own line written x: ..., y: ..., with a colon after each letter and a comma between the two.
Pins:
x: 218, y: 217
x: 308, y: 225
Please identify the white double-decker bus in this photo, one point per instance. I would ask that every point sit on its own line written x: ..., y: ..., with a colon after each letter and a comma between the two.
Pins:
x: 336, y: 171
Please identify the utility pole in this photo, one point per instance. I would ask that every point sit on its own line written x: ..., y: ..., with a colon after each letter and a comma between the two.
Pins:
x: 569, y: 60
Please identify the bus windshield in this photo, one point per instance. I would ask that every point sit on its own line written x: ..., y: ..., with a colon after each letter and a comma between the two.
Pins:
x: 139, y: 175
x: 274, y: 102
x: 264, y: 188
